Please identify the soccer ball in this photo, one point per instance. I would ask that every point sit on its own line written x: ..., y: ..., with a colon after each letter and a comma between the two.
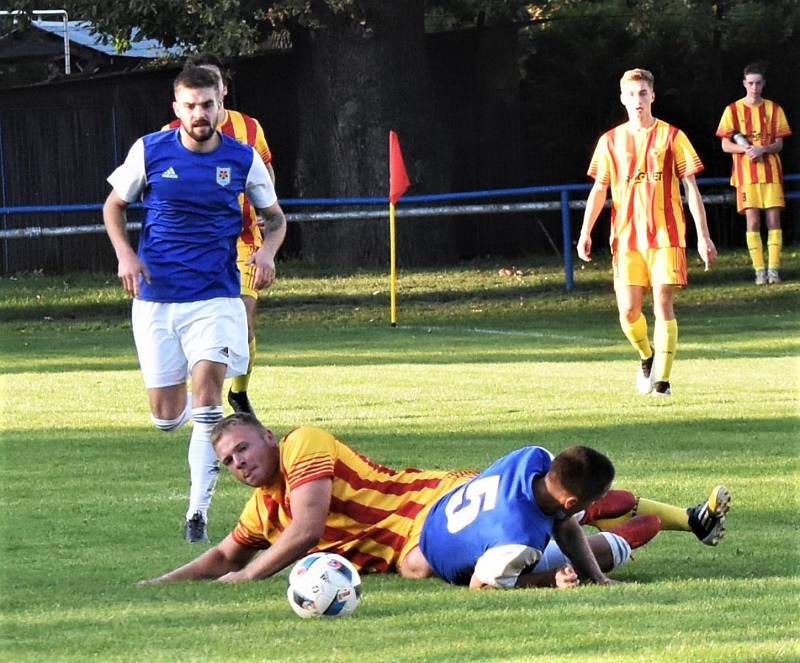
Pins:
x: 324, y: 585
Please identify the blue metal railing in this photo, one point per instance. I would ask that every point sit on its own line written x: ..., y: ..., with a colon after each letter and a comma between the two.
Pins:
x: 405, y: 208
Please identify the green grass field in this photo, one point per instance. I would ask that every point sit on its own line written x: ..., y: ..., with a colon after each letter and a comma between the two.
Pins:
x: 93, y: 496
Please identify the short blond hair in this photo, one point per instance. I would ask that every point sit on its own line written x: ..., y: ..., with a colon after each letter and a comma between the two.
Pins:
x: 637, y: 75
x: 233, y: 420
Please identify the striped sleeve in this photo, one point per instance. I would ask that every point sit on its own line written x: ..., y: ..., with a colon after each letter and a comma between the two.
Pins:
x: 727, y: 123
x: 687, y: 163
x: 781, y: 124
x: 171, y: 125
x: 307, y: 454
x: 260, y: 143
x: 600, y: 165
x: 250, y: 530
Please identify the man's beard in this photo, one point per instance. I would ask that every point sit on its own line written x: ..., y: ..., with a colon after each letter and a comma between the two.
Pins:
x: 200, y: 132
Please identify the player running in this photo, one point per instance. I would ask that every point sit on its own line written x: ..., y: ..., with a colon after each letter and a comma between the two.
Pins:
x: 187, y: 316
x: 247, y: 131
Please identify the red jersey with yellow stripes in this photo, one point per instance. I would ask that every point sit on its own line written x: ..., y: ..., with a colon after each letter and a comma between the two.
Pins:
x: 643, y: 169
x: 376, y: 513
x: 761, y: 124
x: 246, y: 130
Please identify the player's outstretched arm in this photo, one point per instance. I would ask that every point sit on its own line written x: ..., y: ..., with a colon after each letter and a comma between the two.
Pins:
x: 572, y: 540
x: 705, y: 247
x: 130, y: 267
x: 310, y: 505
x: 594, y: 205
x: 225, y: 557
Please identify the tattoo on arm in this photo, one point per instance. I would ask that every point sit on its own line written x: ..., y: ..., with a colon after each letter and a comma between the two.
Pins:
x: 273, y: 221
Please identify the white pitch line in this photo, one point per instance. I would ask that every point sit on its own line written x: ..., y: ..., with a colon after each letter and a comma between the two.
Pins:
x: 565, y: 337
x: 510, y: 332
x: 730, y: 351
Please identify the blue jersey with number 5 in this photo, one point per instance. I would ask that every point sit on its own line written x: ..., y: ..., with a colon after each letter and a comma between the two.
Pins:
x: 495, y: 508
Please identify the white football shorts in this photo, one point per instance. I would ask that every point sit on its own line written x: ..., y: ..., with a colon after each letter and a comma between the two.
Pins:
x: 172, y: 337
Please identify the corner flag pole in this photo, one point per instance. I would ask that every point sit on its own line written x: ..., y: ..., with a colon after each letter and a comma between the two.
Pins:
x: 392, y: 268
x: 398, y: 183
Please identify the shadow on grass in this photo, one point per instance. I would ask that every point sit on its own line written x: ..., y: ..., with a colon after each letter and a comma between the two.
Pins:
x: 66, y: 303
x: 76, y: 311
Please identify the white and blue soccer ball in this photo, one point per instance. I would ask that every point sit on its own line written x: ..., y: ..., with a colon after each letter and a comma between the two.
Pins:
x: 324, y: 585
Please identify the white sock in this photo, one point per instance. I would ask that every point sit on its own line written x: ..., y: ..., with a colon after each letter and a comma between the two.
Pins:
x: 620, y: 548
x: 203, y: 463
x: 174, y: 424
x: 553, y: 557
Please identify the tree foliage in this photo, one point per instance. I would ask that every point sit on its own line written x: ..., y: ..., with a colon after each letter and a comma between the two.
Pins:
x: 695, y: 48
x: 366, y: 67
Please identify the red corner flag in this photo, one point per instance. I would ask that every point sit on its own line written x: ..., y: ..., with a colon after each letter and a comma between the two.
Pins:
x: 398, y: 178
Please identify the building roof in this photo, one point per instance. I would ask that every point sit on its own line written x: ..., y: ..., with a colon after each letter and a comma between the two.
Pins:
x: 80, y: 32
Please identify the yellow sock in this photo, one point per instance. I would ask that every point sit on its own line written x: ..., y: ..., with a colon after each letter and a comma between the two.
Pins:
x: 241, y: 382
x: 636, y: 333
x: 774, y: 246
x: 608, y: 523
x: 665, y: 342
x: 756, y: 249
x: 672, y: 517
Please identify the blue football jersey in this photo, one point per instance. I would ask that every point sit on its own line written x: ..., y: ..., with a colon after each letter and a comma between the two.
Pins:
x: 192, y: 220
x: 496, y: 508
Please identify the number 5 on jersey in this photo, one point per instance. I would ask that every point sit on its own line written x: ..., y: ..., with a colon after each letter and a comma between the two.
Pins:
x: 467, y: 502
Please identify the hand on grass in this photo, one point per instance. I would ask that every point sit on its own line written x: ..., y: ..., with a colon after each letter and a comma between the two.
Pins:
x: 566, y: 578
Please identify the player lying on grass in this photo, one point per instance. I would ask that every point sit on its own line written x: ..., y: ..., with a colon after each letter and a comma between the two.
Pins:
x: 495, y: 530
x: 313, y: 492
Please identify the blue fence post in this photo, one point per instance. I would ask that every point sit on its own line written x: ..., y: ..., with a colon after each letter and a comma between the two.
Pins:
x: 3, y: 201
x: 567, y: 235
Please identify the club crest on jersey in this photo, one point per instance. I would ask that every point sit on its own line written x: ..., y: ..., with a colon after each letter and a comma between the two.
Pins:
x: 223, y: 175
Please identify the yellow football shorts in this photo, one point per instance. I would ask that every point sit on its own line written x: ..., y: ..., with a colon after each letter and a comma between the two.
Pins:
x: 248, y: 274
x: 661, y: 266
x: 759, y: 196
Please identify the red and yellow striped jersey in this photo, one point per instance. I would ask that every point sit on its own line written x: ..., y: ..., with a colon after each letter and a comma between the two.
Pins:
x: 643, y: 170
x: 246, y: 130
x: 761, y: 125
x: 375, y: 515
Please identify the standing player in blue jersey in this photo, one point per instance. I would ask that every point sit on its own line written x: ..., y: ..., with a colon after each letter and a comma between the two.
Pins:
x: 494, y: 530
x: 188, y: 319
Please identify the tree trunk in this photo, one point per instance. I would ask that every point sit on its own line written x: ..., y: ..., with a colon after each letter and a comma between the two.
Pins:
x: 358, y: 80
